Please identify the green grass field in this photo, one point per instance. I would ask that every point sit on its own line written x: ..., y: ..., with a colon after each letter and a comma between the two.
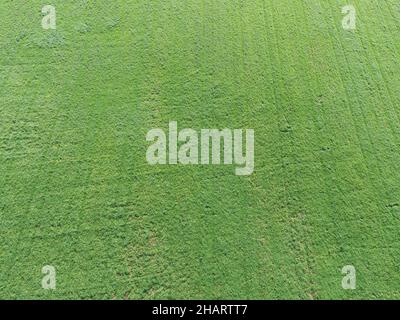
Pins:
x: 77, y: 193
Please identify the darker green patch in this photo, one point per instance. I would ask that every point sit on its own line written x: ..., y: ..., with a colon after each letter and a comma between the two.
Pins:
x: 49, y: 39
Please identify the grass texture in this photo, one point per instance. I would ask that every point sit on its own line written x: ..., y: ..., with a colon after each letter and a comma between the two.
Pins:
x: 77, y: 193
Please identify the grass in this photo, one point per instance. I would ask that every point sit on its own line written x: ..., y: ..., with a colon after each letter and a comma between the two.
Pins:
x: 77, y: 193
